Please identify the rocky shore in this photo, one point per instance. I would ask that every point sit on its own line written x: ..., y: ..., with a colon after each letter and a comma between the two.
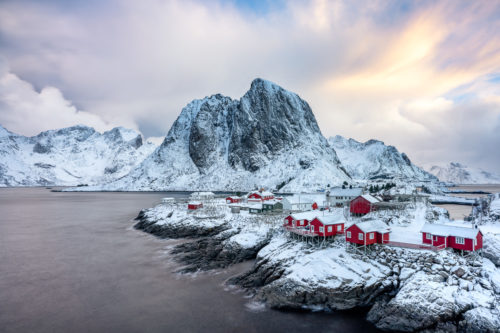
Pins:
x: 404, y: 289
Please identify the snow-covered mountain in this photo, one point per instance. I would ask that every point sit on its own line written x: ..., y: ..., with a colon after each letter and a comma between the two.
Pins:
x: 69, y: 156
x: 462, y: 174
x: 267, y: 138
x: 375, y: 160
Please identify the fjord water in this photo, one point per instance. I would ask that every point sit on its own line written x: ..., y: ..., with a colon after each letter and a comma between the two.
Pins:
x: 70, y: 262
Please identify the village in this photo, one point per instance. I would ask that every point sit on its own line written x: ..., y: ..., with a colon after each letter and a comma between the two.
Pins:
x: 318, y: 218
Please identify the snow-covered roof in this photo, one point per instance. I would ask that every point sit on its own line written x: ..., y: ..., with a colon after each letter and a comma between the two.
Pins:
x: 306, y: 198
x: 202, y: 195
x: 345, y: 192
x: 271, y: 202
x: 262, y: 194
x: 449, y: 230
x: 257, y: 205
x: 310, y: 215
x: 370, y: 198
x: 330, y: 218
x: 234, y: 197
x: 194, y: 203
x: 375, y: 225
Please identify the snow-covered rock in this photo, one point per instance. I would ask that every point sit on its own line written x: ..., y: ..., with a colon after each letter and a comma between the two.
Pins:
x: 69, y: 156
x: 458, y: 173
x: 267, y: 138
x: 374, y: 160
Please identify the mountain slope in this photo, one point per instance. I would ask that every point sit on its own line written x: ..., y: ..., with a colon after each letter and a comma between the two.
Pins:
x: 69, y: 156
x: 462, y: 174
x: 375, y: 160
x: 268, y: 138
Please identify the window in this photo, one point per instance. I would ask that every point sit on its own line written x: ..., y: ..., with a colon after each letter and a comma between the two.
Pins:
x: 371, y: 235
x: 312, y: 228
x: 360, y: 236
x: 475, y: 242
x: 348, y: 234
x: 459, y: 240
x: 330, y: 228
x: 428, y: 236
x: 321, y: 229
x: 339, y: 228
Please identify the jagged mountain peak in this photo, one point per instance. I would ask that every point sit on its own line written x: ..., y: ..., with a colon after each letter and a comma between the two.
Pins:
x: 268, y: 137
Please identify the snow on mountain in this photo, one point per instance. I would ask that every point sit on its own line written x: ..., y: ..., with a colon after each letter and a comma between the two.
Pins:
x: 375, y: 160
x: 69, y: 156
x: 462, y: 174
x: 267, y: 138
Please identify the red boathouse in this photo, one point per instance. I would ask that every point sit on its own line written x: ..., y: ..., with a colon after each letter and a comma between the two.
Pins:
x: 459, y: 238
x: 194, y: 205
x: 363, y: 205
x: 327, y: 225
x: 299, y: 219
x: 259, y: 196
x: 366, y: 233
x: 232, y: 200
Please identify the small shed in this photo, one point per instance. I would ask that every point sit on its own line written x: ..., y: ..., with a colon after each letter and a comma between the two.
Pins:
x: 233, y: 199
x: 194, y: 205
x: 366, y: 233
x: 168, y: 200
x: 272, y: 206
x: 255, y: 208
x: 455, y: 237
x: 363, y: 204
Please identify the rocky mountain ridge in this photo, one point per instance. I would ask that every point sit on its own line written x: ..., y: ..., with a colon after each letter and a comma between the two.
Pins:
x: 459, y: 173
x: 69, y: 156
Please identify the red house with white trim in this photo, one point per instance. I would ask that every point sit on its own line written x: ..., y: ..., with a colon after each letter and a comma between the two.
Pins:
x: 366, y: 233
x: 363, y: 204
x: 259, y: 196
x: 299, y: 219
x: 327, y: 225
x: 455, y: 237
x: 194, y: 205
x: 232, y: 200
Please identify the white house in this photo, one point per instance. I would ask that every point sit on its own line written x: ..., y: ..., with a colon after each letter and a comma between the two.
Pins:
x: 338, y: 196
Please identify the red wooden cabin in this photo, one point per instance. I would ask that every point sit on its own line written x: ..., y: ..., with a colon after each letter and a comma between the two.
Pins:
x: 363, y: 204
x: 459, y: 238
x: 231, y: 200
x: 327, y: 225
x: 366, y: 233
x: 194, y: 205
x: 259, y: 196
x: 299, y: 219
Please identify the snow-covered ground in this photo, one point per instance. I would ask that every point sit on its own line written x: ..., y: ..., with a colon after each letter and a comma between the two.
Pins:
x: 407, y: 289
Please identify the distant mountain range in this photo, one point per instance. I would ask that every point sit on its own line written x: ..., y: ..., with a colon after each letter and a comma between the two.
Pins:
x: 462, y: 174
x: 69, y: 156
x: 269, y: 137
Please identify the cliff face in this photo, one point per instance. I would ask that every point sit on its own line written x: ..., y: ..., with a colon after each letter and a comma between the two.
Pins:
x: 269, y: 137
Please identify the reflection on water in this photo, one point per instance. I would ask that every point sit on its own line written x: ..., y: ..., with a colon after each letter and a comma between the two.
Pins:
x: 71, y: 262
x: 458, y: 212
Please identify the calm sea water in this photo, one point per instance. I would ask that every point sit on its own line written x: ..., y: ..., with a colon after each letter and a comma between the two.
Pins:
x: 70, y: 262
x: 458, y: 212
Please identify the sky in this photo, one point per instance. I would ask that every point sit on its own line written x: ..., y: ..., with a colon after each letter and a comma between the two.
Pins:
x: 423, y: 76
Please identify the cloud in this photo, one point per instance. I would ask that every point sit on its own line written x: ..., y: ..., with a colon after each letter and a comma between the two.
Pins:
x: 398, y: 71
x: 26, y: 111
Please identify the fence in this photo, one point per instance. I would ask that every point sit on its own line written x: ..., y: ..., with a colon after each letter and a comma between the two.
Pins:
x: 416, y: 246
